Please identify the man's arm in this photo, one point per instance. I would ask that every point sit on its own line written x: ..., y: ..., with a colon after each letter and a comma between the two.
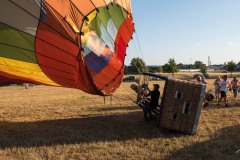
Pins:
x: 238, y: 83
x: 230, y: 86
x: 149, y: 93
x: 148, y: 89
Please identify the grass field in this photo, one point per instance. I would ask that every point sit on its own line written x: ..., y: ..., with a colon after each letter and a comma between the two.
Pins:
x: 45, y: 122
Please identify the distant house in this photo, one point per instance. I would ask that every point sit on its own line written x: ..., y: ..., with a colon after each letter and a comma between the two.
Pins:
x: 238, y: 66
x: 216, y: 67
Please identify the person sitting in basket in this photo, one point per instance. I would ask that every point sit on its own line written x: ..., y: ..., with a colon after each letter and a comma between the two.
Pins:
x: 155, y: 95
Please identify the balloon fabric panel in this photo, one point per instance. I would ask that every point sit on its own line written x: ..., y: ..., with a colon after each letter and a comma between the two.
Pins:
x: 71, y: 43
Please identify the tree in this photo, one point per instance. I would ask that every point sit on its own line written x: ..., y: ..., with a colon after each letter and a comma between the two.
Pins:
x: 137, y: 65
x: 155, y: 68
x: 198, y: 64
x: 160, y: 69
x: 173, y: 66
x: 126, y: 69
x: 165, y: 68
x: 186, y: 66
x: 203, y: 68
x: 170, y: 67
x: 231, y: 66
x: 181, y: 66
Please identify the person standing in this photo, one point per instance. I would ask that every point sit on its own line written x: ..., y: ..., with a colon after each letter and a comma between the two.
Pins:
x: 217, y: 88
x: 198, y: 79
x: 235, y: 85
x: 224, y: 85
x: 204, y: 80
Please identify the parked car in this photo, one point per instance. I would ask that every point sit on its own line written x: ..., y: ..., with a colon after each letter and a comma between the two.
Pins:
x: 204, y: 74
x: 224, y: 71
x: 154, y: 79
x: 129, y: 79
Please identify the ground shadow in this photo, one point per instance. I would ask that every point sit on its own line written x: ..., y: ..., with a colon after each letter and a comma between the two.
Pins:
x: 213, y: 105
x: 223, y: 144
x: 79, y: 130
x: 126, y: 108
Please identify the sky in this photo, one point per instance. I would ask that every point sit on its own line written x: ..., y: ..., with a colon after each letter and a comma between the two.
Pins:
x: 186, y: 30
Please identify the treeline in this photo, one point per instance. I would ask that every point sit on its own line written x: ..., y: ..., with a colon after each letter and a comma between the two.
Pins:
x: 137, y: 66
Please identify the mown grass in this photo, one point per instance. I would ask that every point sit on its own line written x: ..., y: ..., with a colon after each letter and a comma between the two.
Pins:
x: 45, y: 122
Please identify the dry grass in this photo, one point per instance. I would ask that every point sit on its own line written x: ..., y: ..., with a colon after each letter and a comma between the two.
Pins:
x: 59, y: 123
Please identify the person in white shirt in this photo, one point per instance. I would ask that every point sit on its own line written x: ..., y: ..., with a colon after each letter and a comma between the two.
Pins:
x: 224, y: 85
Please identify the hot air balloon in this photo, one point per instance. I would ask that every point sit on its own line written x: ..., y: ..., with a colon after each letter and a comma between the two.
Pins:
x: 71, y: 43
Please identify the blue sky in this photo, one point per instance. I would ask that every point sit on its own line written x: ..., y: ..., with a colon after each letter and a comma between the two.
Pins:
x: 186, y: 30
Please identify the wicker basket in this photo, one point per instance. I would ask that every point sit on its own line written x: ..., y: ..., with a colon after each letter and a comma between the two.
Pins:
x: 182, y: 105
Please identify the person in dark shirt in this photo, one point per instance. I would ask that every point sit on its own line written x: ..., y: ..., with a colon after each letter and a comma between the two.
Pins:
x: 155, y: 94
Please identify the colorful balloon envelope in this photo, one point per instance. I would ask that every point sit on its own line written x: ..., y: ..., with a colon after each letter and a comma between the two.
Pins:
x: 71, y: 43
